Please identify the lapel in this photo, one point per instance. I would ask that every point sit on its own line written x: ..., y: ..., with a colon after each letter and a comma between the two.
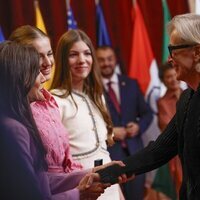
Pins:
x: 122, y: 91
x: 181, y: 115
x: 182, y: 108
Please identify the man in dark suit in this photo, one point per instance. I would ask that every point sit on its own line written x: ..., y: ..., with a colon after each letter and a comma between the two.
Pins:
x: 130, y: 114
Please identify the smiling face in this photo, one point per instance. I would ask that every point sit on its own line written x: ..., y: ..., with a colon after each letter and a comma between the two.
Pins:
x: 80, y: 62
x: 35, y: 93
x: 43, y: 47
x: 107, y: 61
x: 170, y: 79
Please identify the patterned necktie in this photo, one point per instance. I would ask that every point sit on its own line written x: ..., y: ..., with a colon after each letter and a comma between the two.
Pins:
x: 113, y: 97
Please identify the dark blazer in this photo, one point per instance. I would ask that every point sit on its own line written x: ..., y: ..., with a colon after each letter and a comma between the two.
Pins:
x: 133, y: 109
x: 182, y: 137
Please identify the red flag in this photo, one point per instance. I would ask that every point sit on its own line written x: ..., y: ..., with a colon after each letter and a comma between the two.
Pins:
x: 143, y: 66
x: 144, y: 69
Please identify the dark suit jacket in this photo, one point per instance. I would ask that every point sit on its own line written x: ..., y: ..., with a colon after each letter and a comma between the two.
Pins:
x: 182, y: 137
x: 133, y: 109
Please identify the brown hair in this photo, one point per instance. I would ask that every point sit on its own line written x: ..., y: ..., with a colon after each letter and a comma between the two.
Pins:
x: 163, y: 68
x: 92, y: 85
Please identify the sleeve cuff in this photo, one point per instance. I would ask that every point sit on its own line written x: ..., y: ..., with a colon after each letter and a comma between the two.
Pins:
x: 110, y: 174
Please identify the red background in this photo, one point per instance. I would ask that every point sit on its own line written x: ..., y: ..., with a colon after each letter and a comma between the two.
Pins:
x: 117, y: 13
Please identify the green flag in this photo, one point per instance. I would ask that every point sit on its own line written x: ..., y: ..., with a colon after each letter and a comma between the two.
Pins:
x: 164, y: 183
x: 166, y: 19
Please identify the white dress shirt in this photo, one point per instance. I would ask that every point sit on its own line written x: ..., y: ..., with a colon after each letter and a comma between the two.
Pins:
x: 114, y: 84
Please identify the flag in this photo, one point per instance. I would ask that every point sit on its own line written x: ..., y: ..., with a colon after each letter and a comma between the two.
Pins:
x: 39, y: 19
x: 40, y: 24
x: 71, y: 22
x: 143, y: 66
x: 102, y: 32
x: 166, y: 19
x: 144, y: 69
x: 163, y: 181
x: 2, y: 38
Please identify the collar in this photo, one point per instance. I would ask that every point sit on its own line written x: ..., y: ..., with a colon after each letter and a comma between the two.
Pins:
x: 46, y: 94
x: 113, y: 79
x: 173, y: 94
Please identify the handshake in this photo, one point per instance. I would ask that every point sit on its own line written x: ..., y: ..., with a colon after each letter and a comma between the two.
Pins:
x: 93, y: 184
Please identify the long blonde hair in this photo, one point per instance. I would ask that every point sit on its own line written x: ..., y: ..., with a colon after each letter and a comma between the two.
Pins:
x: 92, y: 85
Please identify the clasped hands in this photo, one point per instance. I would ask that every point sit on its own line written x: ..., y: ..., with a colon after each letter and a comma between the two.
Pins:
x: 131, y: 130
x: 90, y: 186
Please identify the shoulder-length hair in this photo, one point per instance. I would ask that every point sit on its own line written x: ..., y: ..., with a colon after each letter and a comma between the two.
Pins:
x: 187, y: 27
x: 19, y: 67
x: 92, y: 85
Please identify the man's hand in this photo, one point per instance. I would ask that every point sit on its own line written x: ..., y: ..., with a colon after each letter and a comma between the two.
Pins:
x: 132, y: 129
x: 90, y: 188
x: 119, y: 133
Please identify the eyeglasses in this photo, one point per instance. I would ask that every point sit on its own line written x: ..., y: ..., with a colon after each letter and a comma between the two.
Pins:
x: 181, y: 46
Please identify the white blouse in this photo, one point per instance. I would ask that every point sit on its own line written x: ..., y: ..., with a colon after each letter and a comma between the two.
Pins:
x: 87, y: 133
x: 85, y: 124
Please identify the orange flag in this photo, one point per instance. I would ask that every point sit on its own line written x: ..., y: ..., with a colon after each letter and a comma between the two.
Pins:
x: 143, y: 65
x: 144, y: 69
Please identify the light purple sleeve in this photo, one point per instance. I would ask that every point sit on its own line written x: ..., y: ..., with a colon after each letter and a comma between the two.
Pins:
x: 71, y: 194
x: 63, y: 186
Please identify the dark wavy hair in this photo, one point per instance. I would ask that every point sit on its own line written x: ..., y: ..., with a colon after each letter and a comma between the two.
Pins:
x: 19, y: 67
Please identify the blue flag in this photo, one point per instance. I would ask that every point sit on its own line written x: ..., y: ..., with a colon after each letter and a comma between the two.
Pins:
x: 71, y: 22
x: 102, y: 33
x: 2, y: 38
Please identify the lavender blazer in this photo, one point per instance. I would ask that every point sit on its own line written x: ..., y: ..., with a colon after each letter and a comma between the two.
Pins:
x: 20, y: 180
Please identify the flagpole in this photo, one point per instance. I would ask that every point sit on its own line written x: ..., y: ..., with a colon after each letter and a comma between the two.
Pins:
x: 36, y: 3
x: 67, y: 4
x: 97, y: 2
x: 133, y: 1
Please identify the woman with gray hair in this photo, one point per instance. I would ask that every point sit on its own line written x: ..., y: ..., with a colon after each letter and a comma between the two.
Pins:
x: 182, y: 134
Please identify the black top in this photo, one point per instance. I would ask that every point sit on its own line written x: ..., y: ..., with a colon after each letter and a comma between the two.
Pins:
x: 182, y: 137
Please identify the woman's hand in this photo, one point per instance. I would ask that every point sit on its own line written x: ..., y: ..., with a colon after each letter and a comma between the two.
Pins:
x: 90, y: 188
